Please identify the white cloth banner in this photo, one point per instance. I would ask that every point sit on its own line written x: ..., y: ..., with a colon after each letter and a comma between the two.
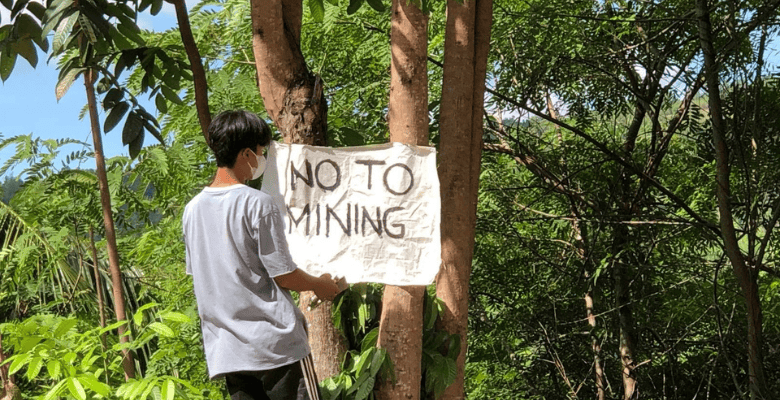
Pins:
x: 368, y: 214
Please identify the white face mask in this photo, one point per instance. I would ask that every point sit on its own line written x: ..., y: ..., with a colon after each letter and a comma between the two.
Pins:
x: 257, y: 172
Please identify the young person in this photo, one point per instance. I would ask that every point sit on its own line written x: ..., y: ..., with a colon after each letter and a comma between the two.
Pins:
x: 253, y: 334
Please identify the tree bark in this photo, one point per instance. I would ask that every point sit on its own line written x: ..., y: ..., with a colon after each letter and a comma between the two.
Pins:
x: 9, y: 389
x: 626, y: 331
x: 293, y: 96
x: 747, y: 277
x: 465, y: 61
x: 98, y: 285
x: 328, y: 345
x: 596, y: 346
x: 400, y: 324
x: 295, y: 101
x: 196, y: 66
x: 108, y: 220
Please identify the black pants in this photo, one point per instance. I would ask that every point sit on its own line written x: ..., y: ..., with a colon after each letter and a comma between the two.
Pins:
x: 288, y: 382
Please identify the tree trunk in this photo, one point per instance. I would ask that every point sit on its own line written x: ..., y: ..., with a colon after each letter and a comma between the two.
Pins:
x: 328, y: 345
x: 9, y: 389
x: 596, y: 346
x: 98, y: 285
x: 293, y: 96
x: 295, y: 101
x: 626, y: 331
x: 400, y: 325
x: 196, y: 66
x: 465, y: 61
x: 108, y: 220
x: 747, y: 278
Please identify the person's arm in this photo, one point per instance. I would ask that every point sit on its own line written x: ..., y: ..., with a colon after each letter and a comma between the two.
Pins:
x: 324, y: 286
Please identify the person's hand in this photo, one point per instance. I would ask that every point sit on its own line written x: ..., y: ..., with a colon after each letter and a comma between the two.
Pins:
x: 327, y: 289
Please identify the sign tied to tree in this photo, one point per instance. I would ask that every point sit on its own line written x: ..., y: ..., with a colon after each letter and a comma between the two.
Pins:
x: 369, y: 214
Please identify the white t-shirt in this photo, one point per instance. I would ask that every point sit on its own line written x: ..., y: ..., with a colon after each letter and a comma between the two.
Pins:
x: 235, y: 244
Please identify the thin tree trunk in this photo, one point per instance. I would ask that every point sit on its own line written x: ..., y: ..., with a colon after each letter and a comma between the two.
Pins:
x: 460, y: 149
x: 400, y: 324
x: 328, y: 345
x: 621, y: 275
x: 108, y: 220
x: 9, y: 389
x: 98, y: 285
x: 596, y: 346
x: 196, y: 66
x: 747, y: 278
x: 295, y: 101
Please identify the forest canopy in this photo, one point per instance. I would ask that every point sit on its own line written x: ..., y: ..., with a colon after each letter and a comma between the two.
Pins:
x: 628, y: 195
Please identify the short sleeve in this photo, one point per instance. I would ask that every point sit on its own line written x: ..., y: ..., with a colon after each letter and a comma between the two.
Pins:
x: 272, y: 246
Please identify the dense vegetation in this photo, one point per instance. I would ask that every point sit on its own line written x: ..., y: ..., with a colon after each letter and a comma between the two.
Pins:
x: 599, y: 259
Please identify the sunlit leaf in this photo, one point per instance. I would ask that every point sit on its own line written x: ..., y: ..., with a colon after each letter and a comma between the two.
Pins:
x: 162, y: 329
x: 317, y: 9
x: 76, y: 389
x: 64, y: 84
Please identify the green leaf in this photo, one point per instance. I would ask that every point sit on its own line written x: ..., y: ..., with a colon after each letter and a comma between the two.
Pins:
x: 120, y: 40
x: 454, y: 348
x: 162, y: 329
x: 135, y: 146
x: 154, y: 131
x: 5, y: 30
x: 376, y: 5
x: 377, y: 360
x: 354, y: 5
x: 63, y: 32
x: 8, y: 4
x: 64, y: 84
x: 87, y: 28
x: 54, y: 368
x: 112, y: 97
x: 115, y: 116
x: 370, y: 339
x: 134, y: 126
x: 53, y: 392
x: 175, y: 316
x: 156, y: 6
x: 317, y: 9
x: 365, y: 389
x: 75, y: 388
x: 363, y: 365
x: 34, y: 368
x: 64, y: 326
x: 18, y: 7
x: 7, y: 61
x: 51, y: 16
x: 131, y: 34
x: 168, y: 390
x: 362, y: 315
x: 36, y: 9
x: 171, y: 95
x: 19, y: 362
x: 159, y: 101
x: 28, y: 343
x: 95, y: 385
x: 27, y: 27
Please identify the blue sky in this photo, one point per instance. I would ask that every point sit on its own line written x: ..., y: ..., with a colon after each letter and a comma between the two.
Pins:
x: 28, y: 104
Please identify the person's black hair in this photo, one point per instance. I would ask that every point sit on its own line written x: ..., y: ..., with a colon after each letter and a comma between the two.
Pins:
x: 234, y: 130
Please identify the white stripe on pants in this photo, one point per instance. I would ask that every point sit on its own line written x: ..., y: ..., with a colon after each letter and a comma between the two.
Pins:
x: 307, y: 365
